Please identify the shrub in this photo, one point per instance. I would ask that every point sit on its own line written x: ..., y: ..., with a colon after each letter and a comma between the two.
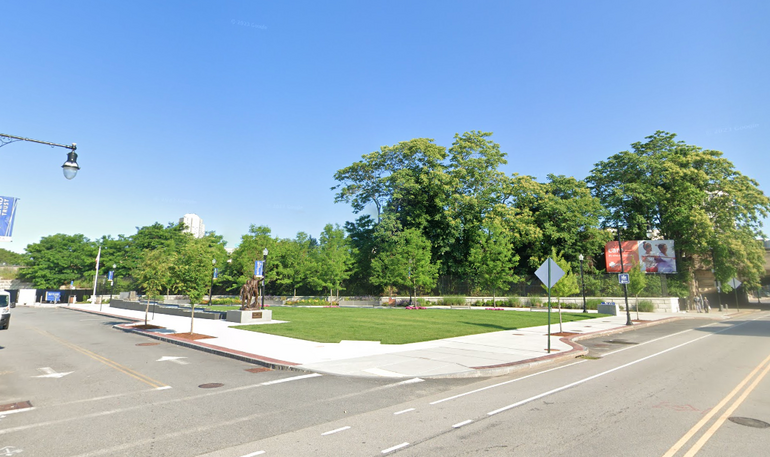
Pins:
x: 646, y: 306
x: 310, y: 302
x: 593, y: 303
x: 536, y: 302
x: 453, y: 300
x: 226, y: 301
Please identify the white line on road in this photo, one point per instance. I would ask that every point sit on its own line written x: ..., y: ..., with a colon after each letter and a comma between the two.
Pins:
x: 409, y: 381
x: 254, y: 453
x: 331, y: 432
x: 458, y: 425
x: 403, y: 411
x: 14, y: 411
x: 504, y: 383
x: 51, y: 373
x: 295, y: 378
x: 598, y: 375
x: 178, y: 360
x: 391, y: 449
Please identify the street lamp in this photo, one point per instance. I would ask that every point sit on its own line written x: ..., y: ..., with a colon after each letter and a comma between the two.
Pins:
x: 264, y: 277
x: 213, y: 275
x: 70, y: 167
x: 582, y: 284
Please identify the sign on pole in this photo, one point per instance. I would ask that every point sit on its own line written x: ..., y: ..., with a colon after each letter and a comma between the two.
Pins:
x: 624, y: 278
x: 734, y: 283
x: 259, y: 268
x: 216, y: 273
x: 550, y: 273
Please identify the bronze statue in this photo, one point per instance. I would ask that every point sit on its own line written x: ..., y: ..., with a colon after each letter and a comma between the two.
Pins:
x: 250, y: 291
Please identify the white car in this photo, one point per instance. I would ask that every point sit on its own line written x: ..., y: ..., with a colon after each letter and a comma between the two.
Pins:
x: 5, y: 310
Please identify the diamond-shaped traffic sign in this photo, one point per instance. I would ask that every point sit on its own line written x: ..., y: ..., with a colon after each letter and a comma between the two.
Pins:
x: 549, y: 272
x: 734, y: 283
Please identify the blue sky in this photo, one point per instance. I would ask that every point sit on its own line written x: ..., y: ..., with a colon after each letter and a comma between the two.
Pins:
x: 241, y: 111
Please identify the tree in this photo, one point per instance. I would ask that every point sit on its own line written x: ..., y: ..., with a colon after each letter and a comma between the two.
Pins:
x: 10, y: 258
x: 690, y: 195
x: 637, y: 281
x: 295, y: 263
x: 492, y: 257
x: 251, y: 249
x: 335, y: 259
x: 58, y: 259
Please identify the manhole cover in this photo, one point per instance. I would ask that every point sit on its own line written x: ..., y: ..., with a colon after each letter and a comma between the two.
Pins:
x: 211, y: 385
x: 147, y: 344
x: 620, y: 342
x: 15, y: 406
x: 257, y: 370
x: 749, y: 422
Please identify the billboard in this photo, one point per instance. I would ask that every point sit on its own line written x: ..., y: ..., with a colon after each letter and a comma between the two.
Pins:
x: 7, y: 213
x: 652, y: 256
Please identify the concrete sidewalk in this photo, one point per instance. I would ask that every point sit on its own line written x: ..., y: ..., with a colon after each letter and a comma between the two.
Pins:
x: 487, y: 354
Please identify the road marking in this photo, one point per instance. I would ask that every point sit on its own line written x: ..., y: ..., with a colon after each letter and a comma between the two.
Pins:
x: 590, y: 378
x: 404, y: 411
x: 177, y: 360
x: 10, y: 450
x: 383, y: 373
x: 110, y: 363
x: 14, y: 411
x: 51, y: 373
x: 651, y: 341
x: 504, y: 383
x: 254, y: 453
x: 391, y: 449
x: 295, y: 378
x: 336, y: 430
x: 460, y: 424
x: 687, y: 436
x: 409, y: 381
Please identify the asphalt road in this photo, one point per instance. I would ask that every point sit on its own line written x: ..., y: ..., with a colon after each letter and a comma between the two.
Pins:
x: 656, y: 391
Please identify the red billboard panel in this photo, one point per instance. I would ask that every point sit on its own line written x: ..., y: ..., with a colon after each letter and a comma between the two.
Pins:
x: 630, y: 256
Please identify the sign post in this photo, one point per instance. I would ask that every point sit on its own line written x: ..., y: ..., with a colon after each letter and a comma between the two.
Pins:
x: 735, y: 283
x: 550, y: 273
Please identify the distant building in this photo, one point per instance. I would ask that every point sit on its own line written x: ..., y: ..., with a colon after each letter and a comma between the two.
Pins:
x: 193, y: 224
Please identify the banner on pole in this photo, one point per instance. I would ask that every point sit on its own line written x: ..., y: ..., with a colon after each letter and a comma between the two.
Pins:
x: 258, y: 268
x: 7, y: 215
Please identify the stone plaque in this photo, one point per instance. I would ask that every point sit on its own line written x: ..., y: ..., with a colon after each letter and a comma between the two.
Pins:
x: 256, y: 315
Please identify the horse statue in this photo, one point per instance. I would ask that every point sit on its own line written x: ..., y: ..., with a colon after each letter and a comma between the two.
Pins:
x: 250, y: 291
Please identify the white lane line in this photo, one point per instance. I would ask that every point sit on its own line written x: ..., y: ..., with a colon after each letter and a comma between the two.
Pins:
x: 14, y: 411
x: 295, y: 378
x: 409, y: 381
x: 162, y: 388
x: 404, y: 411
x: 331, y: 432
x: 651, y: 341
x: 391, y: 449
x: 504, y: 383
x: 460, y: 424
x: 254, y: 453
x: 576, y: 383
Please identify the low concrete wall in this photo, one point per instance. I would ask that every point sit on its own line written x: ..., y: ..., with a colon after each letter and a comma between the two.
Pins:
x: 170, y: 310
x: 660, y: 304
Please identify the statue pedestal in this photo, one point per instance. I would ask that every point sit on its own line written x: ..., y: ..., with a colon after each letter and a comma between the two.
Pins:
x: 249, y: 316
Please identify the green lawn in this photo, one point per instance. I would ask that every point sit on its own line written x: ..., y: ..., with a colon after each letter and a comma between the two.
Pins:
x: 398, y: 325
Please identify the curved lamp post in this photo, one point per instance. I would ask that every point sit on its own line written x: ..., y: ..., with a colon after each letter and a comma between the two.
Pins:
x: 70, y: 167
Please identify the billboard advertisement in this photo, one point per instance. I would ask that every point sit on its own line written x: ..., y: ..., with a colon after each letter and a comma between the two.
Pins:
x: 7, y: 213
x: 652, y: 256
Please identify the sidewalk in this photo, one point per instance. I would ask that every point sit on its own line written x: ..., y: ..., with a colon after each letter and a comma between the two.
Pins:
x: 488, y: 354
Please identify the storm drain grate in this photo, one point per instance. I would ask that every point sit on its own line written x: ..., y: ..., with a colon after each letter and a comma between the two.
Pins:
x: 15, y: 406
x: 211, y: 385
x: 749, y: 422
x: 147, y: 344
x: 257, y: 370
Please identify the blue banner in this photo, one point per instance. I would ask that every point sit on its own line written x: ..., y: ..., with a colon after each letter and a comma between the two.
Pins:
x: 258, y: 267
x: 54, y: 297
x: 216, y: 273
x: 7, y: 213
x: 110, y: 275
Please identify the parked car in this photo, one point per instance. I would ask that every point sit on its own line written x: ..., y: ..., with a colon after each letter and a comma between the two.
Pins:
x: 5, y: 310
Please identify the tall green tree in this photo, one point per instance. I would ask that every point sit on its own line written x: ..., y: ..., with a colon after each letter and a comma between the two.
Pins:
x: 250, y: 250
x: 334, y: 259
x: 492, y: 258
x: 10, y: 258
x: 58, y: 259
x: 691, y: 195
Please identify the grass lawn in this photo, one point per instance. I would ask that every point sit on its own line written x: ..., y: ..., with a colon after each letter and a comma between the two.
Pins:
x: 398, y: 325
